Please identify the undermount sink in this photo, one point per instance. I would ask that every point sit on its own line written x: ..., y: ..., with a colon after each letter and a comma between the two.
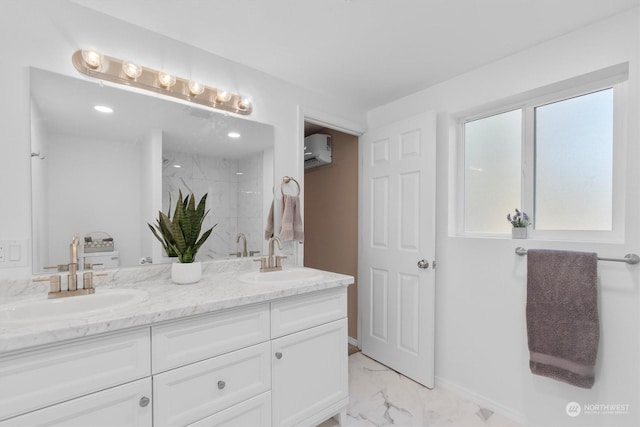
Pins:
x: 282, y: 276
x: 41, y: 309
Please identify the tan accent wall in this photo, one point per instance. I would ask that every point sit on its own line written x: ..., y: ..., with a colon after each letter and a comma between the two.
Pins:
x: 331, y: 216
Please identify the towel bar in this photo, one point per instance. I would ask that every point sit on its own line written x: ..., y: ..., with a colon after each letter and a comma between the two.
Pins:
x: 628, y: 258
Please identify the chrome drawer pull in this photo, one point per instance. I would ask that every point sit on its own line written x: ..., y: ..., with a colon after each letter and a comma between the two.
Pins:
x: 278, y: 355
x: 144, y: 401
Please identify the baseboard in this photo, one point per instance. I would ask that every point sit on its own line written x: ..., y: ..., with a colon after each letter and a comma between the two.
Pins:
x: 481, y: 400
x: 354, y: 341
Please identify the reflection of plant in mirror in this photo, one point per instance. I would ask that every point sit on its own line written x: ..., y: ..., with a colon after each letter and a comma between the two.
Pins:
x: 182, y: 233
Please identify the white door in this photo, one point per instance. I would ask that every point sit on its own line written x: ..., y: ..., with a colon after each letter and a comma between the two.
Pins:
x: 396, y: 287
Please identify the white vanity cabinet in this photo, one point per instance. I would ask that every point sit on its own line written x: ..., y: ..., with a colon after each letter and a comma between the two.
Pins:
x: 294, y: 362
x: 274, y: 363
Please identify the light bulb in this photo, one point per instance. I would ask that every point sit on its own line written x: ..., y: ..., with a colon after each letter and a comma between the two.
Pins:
x: 244, y: 104
x: 133, y: 71
x: 92, y: 58
x: 233, y: 135
x: 223, y: 96
x: 166, y: 80
x: 195, y: 88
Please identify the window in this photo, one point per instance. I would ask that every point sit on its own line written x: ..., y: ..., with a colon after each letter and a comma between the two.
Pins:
x: 573, y: 163
x: 554, y: 156
x: 492, y: 170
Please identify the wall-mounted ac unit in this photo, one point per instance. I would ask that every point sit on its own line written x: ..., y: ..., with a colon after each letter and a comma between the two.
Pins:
x: 317, y: 150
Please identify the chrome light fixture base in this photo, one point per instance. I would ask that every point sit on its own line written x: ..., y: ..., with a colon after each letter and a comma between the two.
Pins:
x: 122, y: 72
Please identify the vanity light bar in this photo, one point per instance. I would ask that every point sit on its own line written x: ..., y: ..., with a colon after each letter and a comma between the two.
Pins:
x: 95, y: 64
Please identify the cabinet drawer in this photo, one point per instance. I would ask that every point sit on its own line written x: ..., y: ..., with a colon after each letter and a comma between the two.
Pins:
x: 117, y: 406
x: 255, y: 412
x: 187, y: 341
x: 191, y: 393
x: 31, y: 380
x: 306, y: 311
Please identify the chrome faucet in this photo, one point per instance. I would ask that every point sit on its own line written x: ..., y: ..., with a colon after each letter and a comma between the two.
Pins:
x: 271, y: 262
x: 72, y: 277
x: 242, y: 237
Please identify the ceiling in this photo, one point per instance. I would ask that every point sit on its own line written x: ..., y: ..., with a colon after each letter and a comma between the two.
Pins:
x: 369, y: 51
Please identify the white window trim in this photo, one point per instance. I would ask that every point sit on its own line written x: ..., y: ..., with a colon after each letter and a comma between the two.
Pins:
x: 615, y: 77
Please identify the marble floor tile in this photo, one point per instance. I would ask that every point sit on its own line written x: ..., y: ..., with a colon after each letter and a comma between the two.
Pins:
x: 379, y: 396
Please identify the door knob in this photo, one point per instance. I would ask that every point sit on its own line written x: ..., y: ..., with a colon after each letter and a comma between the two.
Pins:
x: 423, y: 263
x: 221, y: 384
x: 144, y: 401
x: 278, y: 355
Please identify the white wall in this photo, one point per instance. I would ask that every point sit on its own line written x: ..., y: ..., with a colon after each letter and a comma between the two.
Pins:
x: 45, y: 33
x: 481, y: 347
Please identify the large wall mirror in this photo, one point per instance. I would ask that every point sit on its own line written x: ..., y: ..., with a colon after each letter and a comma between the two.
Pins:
x: 106, y: 175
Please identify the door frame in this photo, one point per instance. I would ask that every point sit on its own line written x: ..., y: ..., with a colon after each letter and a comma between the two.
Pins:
x: 337, y: 123
x: 330, y: 121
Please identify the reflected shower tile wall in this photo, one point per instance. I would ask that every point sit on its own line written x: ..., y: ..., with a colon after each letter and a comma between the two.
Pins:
x: 214, y: 168
x: 216, y: 177
x: 250, y: 201
x: 235, y: 201
x: 172, y: 159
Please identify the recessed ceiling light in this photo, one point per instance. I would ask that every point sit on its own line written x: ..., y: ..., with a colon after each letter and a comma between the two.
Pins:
x: 177, y: 166
x: 239, y: 173
x: 103, y: 109
x: 233, y: 135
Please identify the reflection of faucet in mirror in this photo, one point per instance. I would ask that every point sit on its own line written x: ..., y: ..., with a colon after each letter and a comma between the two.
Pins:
x: 242, y: 237
x: 73, y: 262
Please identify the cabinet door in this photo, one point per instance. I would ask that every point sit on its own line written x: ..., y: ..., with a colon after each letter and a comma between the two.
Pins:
x: 125, y: 405
x: 309, y: 374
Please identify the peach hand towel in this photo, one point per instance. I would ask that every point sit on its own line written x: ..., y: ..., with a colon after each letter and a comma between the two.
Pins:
x: 291, y: 224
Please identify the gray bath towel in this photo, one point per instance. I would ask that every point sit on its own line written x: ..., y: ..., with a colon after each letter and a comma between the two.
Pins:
x: 562, y: 315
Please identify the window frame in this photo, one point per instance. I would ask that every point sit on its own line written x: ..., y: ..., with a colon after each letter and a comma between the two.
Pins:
x: 616, y: 78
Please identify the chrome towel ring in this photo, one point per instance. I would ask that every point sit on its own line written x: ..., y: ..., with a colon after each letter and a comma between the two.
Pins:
x: 286, y: 180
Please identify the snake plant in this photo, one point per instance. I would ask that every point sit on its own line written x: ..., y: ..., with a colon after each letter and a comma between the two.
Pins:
x: 181, y: 234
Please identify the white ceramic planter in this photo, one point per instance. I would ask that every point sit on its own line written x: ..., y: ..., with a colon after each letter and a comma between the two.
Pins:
x: 519, y: 232
x: 186, y: 273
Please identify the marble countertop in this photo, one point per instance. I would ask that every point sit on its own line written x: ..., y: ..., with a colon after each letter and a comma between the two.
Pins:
x: 218, y: 290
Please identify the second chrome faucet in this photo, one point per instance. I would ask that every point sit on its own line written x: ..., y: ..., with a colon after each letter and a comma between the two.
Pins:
x: 272, y: 262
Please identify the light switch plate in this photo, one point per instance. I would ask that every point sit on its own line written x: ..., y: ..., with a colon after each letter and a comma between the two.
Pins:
x: 14, y: 253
